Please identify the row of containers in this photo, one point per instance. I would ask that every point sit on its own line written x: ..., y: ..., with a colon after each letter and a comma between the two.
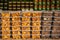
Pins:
x: 29, y: 25
x: 33, y: 4
x: 47, y: 5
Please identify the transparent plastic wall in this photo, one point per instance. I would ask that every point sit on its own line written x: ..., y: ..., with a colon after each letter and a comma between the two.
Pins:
x: 29, y: 25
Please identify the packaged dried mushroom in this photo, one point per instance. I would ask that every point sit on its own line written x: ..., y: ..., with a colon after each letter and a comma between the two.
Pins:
x: 46, y: 31
x: 46, y: 23
x: 45, y: 34
x: 35, y: 31
x: 56, y: 32
x: 56, y: 29
x: 35, y: 24
x: 36, y: 34
x: 36, y: 0
x: 26, y: 19
x: 47, y: 13
x: 36, y: 14
x: 15, y: 25
x: 57, y: 13
x: 57, y: 18
x: 56, y: 23
x: 5, y: 25
x: 46, y: 28
x: 36, y: 19
x: 26, y: 14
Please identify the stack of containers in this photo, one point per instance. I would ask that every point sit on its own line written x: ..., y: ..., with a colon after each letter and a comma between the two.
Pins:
x: 26, y: 25
x: 5, y: 25
x: 40, y: 4
x: 53, y: 5
x: 58, y: 5
x: 15, y: 25
x: 56, y: 25
x: 48, y: 4
x: 46, y: 24
x: 44, y: 5
x: 36, y: 24
x: 36, y: 5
